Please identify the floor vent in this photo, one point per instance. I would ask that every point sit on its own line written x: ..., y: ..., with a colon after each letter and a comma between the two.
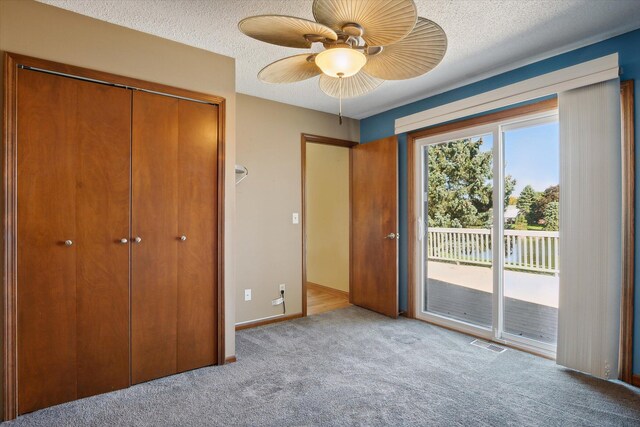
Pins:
x: 489, y: 346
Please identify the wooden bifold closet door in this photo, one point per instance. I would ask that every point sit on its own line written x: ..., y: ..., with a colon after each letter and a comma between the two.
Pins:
x: 116, y: 237
x: 174, y: 160
x: 73, y: 210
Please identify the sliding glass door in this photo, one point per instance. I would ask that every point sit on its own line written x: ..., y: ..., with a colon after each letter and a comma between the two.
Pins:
x: 488, y: 218
x: 531, y: 231
x: 458, y: 216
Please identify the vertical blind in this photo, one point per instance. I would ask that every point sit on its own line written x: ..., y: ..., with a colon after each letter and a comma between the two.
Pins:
x: 590, y: 229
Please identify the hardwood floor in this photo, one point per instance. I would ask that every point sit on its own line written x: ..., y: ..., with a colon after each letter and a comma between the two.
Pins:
x: 321, y: 299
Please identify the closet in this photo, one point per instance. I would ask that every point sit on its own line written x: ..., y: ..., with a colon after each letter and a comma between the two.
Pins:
x: 116, y: 237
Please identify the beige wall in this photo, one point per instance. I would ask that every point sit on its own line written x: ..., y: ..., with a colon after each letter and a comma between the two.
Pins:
x: 327, y: 215
x: 269, y: 246
x: 43, y: 31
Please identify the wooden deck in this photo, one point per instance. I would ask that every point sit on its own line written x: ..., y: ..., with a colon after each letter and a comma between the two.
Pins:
x: 526, y: 319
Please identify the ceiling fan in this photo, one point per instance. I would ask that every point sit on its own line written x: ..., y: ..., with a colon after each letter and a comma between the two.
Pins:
x: 365, y: 43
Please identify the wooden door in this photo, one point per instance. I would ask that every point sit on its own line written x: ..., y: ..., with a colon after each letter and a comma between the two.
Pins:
x: 103, y: 209
x: 154, y: 260
x: 46, y: 219
x: 73, y: 185
x: 174, y: 298
x: 374, y: 224
x: 197, y: 225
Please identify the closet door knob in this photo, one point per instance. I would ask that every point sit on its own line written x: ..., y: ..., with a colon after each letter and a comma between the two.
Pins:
x: 137, y: 239
x: 183, y: 238
x: 124, y: 241
x: 68, y: 242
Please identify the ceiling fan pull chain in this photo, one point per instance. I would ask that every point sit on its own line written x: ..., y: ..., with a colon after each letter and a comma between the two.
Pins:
x: 340, y: 90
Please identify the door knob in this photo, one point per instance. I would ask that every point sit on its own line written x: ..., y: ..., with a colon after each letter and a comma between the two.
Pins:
x: 138, y: 239
x: 68, y: 242
x: 124, y: 241
x: 390, y: 236
x: 183, y: 238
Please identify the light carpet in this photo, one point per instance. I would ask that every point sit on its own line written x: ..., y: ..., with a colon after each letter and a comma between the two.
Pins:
x: 355, y: 367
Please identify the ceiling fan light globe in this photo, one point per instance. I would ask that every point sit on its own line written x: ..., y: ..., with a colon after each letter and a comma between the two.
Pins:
x: 340, y: 62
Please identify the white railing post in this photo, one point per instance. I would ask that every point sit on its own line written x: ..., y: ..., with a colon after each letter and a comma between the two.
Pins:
x: 535, y: 251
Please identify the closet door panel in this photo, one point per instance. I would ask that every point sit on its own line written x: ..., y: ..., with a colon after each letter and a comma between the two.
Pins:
x: 46, y: 219
x: 103, y: 190
x: 197, y: 255
x: 154, y: 285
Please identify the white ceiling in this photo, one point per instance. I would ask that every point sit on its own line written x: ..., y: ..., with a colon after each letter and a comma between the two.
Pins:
x: 485, y: 37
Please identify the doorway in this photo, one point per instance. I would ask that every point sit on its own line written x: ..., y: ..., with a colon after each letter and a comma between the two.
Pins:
x: 326, y: 217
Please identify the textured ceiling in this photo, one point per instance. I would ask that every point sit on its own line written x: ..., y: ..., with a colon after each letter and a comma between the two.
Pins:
x: 486, y: 37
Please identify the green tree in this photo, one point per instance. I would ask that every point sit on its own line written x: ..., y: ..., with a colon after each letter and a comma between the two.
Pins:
x: 526, y: 201
x: 537, y: 213
x: 552, y: 216
x: 460, y: 185
x: 551, y: 194
x: 521, y: 223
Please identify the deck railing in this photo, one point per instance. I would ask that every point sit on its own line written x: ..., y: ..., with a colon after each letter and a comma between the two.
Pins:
x: 535, y: 251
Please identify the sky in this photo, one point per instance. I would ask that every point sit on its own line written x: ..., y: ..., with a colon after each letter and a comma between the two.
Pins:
x: 532, y: 156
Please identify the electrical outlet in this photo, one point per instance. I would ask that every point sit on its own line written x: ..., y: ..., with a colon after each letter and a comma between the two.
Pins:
x: 282, y: 287
x: 247, y: 294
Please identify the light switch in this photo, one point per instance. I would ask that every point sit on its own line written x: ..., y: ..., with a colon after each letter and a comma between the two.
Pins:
x: 247, y: 294
x: 295, y: 218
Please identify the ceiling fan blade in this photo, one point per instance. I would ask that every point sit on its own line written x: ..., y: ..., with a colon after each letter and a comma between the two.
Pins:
x: 412, y: 56
x: 353, y: 86
x: 384, y: 21
x: 283, y: 30
x: 290, y: 70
